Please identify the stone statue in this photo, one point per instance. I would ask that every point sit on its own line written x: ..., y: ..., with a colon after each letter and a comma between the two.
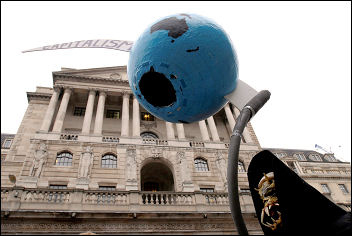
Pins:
x: 86, y: 163
x: 222, y: 166
x: 182, y: 160
x: 131, y: 165
x: 40, y: 157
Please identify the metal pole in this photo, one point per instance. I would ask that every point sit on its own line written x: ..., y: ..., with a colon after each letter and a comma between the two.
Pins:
x: 249, y: 110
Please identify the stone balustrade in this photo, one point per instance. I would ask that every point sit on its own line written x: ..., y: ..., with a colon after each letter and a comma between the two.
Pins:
x: 4, y: 195
x: 124, y: 201
x: 157, y: 142
x: 110, y: 139
x: 68, y: 136
x: 196, y: 144
x: 50, y: 196
x: 110, y: 198
x: 166, y: 198
x: 217, y: 198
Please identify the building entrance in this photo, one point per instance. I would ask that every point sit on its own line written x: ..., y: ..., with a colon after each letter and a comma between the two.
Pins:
x: 156, y: 176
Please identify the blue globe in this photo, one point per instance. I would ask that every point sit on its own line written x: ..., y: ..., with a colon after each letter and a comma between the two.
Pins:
x: 181, y: 67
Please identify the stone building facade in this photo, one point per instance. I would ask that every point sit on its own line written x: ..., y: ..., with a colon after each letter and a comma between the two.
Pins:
x: 324, y: 172
x: 88, y: 157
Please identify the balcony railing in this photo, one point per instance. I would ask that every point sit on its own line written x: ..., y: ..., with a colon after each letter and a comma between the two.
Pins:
x: 109, y: 198
x: 110, y: 139
x: 50, y: 196
x: 196, y: 144
x: 123, y: 201
x: 68, y: 136
x: 157, y: 142
x: 166, y: 198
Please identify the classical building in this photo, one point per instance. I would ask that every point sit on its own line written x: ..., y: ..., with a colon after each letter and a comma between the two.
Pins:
x: 88, y: 157
x: 324, y: 172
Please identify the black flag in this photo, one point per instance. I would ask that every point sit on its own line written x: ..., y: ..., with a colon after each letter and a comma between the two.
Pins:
x: 286, y: 204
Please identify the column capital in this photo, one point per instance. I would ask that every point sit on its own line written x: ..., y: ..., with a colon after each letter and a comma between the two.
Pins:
x: 92, y: 91
x: 57, y: 88
x: 102, y: 92
x: 68, y: 89
x: 126, y: 94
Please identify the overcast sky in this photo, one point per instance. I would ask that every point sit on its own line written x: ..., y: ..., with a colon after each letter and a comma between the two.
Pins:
x: 299, y: 51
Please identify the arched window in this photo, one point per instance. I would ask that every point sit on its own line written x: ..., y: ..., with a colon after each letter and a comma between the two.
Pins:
x: 64, y: 159
x: 149, y: 135
x: 109, y: 161
x: 201, y: 164
x: 241, y: 167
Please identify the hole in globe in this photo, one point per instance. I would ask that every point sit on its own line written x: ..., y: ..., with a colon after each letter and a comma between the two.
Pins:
x: 157, y: 89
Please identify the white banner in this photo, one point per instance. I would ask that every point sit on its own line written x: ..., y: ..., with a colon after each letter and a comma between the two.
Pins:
x: 121, y: 45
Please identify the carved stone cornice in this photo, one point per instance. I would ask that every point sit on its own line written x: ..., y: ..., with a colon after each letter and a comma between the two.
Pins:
x: 38, y: 96
x: 80, y: 78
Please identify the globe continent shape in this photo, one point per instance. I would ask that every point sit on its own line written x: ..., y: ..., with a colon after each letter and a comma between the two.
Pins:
x: 181, y: 67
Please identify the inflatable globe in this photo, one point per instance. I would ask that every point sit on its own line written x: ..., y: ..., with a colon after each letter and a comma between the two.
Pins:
x: 181, y: 67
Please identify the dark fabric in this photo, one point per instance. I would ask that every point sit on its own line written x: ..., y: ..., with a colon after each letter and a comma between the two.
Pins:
x: 304, y: 209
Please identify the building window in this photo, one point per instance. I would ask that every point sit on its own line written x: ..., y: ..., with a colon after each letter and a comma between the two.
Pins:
x: 146, y: 116
x: 79, y: 111
x: 330, y: 158
x: 107, y: 188
x: 7, y: 143
x: 300, y: 156
x: 64, y: 159
x: 149, y: 135
x: 109, y: 161
x: 113, y: 114
x: 343, y: 188
x: 325, y: 188
x: 201, y: 164
x: 315, y: 157
x: 241, y: 167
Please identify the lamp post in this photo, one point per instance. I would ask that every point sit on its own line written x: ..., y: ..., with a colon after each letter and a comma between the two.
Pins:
x: 249, y: 110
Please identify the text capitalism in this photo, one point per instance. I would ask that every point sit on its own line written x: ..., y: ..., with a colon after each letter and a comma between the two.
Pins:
x: 121, y: 45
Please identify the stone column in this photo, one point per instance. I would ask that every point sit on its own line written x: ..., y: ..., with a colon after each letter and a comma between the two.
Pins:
x: 125, y: 114
x: 136, y: 119
x: 246, y: 136
x: 50, y: 110
x: 62, y: 111
x: 89, y: 112
x: 229, y: 116
x: 298, y: 167
x: 180, y: 131
x: 213, y: 130
x: 203, y: 130
x: 98, y: 125
x: 170, y: 131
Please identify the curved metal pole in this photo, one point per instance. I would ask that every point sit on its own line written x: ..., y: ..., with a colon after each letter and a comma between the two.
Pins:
x: 251, y: 108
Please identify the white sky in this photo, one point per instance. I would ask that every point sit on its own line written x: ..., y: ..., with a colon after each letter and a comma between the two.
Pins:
x: 299, y: 51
